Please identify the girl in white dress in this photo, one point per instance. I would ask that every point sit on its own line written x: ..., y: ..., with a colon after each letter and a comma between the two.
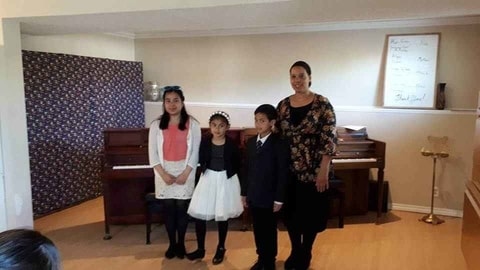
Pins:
x: 217, y: 195
x: 173, y: 144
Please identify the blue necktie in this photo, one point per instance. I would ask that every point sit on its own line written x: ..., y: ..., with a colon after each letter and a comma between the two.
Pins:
x: 259, y: 145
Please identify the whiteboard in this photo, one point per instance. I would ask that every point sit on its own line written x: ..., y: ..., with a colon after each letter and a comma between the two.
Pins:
x: 410, y: 70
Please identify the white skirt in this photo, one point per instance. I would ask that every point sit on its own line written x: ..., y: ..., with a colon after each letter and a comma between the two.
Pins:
x: 174, y: 191
x: 216, y: 197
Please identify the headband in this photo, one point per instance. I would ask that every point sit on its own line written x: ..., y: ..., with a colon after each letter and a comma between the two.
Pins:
x: 221, y: 113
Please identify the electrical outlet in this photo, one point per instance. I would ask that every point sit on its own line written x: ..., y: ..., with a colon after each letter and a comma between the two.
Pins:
x: 436, y: 192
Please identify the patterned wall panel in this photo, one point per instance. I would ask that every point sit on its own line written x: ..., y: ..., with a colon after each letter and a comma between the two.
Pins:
x: 70, y: 100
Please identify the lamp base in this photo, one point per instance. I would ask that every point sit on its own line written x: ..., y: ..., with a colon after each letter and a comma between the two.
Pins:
x: 431, y: 218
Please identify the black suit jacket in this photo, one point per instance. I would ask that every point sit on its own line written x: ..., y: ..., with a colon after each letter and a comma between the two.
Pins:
x: 267, y: 171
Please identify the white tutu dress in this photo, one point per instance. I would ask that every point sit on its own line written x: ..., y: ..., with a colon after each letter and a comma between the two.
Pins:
x: 216, y: 197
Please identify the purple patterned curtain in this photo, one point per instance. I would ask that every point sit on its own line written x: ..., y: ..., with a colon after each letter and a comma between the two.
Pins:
x: 70, y: 100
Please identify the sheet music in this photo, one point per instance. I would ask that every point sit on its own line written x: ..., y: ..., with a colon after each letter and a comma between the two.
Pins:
x: 354, y: 127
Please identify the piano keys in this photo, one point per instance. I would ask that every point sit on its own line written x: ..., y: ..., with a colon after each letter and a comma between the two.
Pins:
x: 127, y: 167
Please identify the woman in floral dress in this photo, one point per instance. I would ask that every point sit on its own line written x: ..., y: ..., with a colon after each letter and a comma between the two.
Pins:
x: 308, y: 121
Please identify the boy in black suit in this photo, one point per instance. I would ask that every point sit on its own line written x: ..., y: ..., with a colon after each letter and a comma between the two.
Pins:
x: 263, y: 188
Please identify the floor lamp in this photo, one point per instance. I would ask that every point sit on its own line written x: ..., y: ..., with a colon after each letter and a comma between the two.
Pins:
x: 432, y: 218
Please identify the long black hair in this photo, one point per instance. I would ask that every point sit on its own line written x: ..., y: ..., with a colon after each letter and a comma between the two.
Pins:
x: 165, y: 117
x: 304, y: 65
x: 27, y: 249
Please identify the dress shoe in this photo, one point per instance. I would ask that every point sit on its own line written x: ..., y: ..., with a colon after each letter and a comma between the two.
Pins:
x: 170, y: 253
x: 180, y: 251
x: 219, y: 255
x: 196, y: 255
x: 269, y: 265
x: 292, y: 261
x: 257, y: 266
x: 304, y: 261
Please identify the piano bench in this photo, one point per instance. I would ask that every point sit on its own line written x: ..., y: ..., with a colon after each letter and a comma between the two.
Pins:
x: 337, y: 191
x: 153, y: 206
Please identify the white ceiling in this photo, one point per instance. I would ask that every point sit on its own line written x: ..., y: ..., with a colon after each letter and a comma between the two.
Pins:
x: 270, y: 17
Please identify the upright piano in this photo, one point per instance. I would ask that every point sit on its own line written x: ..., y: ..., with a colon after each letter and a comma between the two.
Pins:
x: 352, y: 164
x: 126, y: 176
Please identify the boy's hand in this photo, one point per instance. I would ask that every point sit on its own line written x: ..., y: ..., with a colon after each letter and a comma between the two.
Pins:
x: 244, y: 201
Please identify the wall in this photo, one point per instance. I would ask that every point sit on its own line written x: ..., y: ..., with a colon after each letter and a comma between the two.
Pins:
x: 18, y: 198
x: 94, y: 45
x: 3, y: 206
x: 346, y: 64
x: 237, y: 73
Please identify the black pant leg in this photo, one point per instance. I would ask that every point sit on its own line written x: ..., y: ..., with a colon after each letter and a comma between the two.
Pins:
x: 265, y: 232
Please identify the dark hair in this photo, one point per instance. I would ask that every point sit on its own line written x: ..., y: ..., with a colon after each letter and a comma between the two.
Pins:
x: 27, y: 249
x: 268, y: 110
x: 165, y: 117
x: 305, y: 66
x: 220, y: 115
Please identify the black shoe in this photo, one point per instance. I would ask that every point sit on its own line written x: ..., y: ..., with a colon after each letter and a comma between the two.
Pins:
x: 304, y: 260
x: 292, y: 261
x: 218, y: 258
x: 257, y: 266
x: 196, y: 255
x: 269, y: 266
x: 180, y: 251
x: 170, y: 253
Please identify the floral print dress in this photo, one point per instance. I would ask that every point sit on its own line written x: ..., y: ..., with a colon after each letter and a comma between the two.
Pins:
x: 310, y: 138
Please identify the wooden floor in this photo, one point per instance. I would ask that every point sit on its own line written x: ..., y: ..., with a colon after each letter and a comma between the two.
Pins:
x: 400, y: 242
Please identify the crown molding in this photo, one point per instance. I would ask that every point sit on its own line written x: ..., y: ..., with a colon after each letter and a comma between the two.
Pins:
x: 122, y: 35
x: 318, y: 27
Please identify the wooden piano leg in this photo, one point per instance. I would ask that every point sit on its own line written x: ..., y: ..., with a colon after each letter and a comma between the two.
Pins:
x: 107, y: 235
x: 380, y: 193
x: 106, y: 209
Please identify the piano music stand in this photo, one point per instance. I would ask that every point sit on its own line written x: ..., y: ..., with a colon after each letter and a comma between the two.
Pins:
x: 439, y: 151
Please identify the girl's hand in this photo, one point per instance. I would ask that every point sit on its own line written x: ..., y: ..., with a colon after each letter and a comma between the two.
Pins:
x: 168, y: 178
x: 182, y: 178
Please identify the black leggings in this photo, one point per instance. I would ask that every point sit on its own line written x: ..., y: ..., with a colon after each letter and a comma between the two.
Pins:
x: 201, y: 231
x: 176, y: 220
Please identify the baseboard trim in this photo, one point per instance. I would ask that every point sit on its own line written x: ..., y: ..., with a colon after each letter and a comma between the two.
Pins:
x: 426, y: 210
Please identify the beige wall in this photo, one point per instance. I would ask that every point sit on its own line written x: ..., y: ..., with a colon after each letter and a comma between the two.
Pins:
x: 17, y: 208
x: 236, y: 73
x: 94, y: 45
x: 3, y: 202
x: 346, y: 65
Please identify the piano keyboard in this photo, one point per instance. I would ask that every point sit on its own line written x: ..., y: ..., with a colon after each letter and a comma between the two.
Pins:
x: 353, y: 160
x: 126, y: 167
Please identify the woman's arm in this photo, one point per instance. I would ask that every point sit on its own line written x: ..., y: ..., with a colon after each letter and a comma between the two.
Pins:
x: 154, y: 155
x: 193, y: 160
x: 321, y: 181
x: 329, y: 146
